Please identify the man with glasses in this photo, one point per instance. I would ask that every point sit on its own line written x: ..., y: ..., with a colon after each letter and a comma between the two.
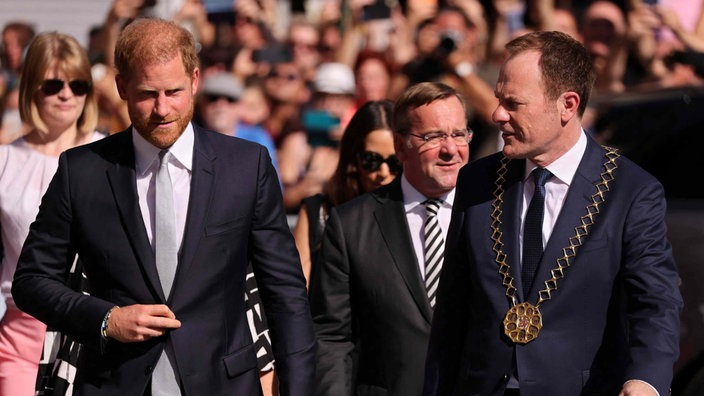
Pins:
x: 373, y: 286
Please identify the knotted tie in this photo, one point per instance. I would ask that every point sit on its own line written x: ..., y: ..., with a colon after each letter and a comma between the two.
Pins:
x: 433, y: 248
x: 533, y: 230
x: 164, y: 380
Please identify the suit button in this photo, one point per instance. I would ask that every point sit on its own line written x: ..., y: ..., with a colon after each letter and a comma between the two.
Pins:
x: 148, y: 370
x: 506, y: 377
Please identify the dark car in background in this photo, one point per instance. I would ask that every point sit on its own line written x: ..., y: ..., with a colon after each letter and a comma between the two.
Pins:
x: 663, y: 131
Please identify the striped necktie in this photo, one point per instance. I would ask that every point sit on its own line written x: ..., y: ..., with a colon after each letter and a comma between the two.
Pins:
x: 433, y: 248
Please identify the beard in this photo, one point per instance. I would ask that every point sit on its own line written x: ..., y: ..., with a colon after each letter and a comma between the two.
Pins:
x: 148, y: 127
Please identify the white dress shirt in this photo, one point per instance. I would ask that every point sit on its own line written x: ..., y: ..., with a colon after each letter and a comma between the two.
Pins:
x: 180, y: 168
x: 563, y: 170
x: 416, y: 214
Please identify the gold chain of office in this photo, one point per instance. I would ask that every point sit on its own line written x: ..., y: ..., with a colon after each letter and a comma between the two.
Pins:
x: 523, y: 321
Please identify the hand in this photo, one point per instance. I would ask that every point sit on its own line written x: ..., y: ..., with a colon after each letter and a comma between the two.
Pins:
x: 136, y: 323
x: 637, y: 388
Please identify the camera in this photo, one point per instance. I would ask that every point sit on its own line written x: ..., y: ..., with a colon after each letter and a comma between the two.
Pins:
x: 449, y: 41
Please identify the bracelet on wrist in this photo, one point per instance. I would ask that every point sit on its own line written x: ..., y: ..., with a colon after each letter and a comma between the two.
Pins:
x: 104, y: 325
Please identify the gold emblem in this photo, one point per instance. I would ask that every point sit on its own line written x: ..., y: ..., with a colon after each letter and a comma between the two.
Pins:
x: 523, y: 323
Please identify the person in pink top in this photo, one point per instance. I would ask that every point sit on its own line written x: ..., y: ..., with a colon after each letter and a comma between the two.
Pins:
x: 57, y: 101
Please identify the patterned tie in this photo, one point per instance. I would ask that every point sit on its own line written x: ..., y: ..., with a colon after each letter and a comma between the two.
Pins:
x: 533, y: 230
x: 433, y: 248
x: 164, y: 381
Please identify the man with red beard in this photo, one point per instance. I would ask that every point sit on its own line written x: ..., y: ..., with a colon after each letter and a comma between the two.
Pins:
x: 165, y: 217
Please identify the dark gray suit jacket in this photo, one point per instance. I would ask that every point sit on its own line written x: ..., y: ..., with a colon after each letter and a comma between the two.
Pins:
x: 370, y: 308
x: 235, y: 215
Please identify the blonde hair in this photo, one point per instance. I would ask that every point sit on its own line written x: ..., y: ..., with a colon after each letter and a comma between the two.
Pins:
x: 42, y: 52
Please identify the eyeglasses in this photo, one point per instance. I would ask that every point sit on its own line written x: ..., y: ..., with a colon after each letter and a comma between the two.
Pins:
x: 434, y: 139
x: 371, y: 162
x: 287, y: 76
x: 215, y: 98
x: 54, y: 86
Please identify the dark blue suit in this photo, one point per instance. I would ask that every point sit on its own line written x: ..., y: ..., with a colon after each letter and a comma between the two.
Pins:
x: 235, y: 215
x: 614, y: 316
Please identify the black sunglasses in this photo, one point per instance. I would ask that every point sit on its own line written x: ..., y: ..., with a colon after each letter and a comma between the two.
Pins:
x: 287, y: 76
x: 215, y: 98
x: 54, y: 86
x: 371, y: 162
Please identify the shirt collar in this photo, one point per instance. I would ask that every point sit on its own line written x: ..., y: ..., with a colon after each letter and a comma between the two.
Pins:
x: 413, y: 197
x: 564, y: 167
x: 145, y: 153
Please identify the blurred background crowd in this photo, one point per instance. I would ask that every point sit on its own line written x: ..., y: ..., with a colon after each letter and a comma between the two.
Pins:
x: 290, y: 74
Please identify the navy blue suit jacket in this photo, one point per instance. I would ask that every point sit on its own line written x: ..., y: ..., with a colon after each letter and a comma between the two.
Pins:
x: 235, y: 215
x: 614, y: 316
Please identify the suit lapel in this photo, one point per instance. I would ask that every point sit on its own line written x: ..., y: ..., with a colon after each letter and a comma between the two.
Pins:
x: 390, y: 216
x: 122, y: 179
x: 198, y: 202
x: 513, y: 195
x: 583, y: 186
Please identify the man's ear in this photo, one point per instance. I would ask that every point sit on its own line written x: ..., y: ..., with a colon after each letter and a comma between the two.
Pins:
x: 195, y: 79
x: 400, y: 146
x: 121, y: 84
x: 569, y: 103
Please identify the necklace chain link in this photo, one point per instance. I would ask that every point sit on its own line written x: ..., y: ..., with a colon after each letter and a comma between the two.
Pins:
x: 570, y: 251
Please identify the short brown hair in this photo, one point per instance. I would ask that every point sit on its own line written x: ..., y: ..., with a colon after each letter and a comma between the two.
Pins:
x: 564, y: 64
x: 150, y: 40
x: 42, y: 51
x: 418, y: 95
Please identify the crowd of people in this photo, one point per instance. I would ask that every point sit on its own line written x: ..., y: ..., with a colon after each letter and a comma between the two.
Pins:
x: 363, y: 113
x: 306, y: 70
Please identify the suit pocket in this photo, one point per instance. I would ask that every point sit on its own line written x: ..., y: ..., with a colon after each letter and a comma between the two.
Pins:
x: 225, y: 227
x: 241, y: 361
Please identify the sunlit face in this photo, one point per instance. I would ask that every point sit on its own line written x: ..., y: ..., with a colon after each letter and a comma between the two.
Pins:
x: 433, y: 171
x: 373, y: 80
x: 160, y: 99
x: 304, y: 40
x: 219, y: 113
x: 603, y: 24
x: 380, y: 141
x: 62, y: 110
x: 284, y: 83
x: 254, y: 108
x: 13, y: 49
x: 529, y: 122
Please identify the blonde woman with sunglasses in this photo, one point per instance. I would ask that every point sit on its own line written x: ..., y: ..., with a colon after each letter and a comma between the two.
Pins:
x: 58, y: 104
